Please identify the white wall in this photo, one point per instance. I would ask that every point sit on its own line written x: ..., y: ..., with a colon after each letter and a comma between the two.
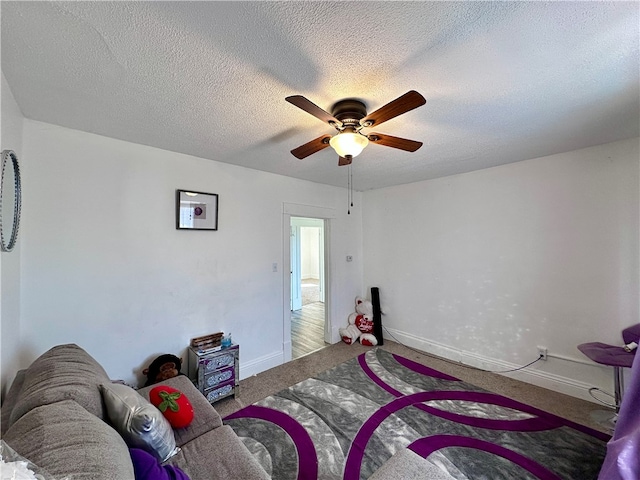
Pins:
x: 104, y: 266
x: 481, y: 267
x: 484, y: 267
x: 310, y: 252
x: 11, y: 139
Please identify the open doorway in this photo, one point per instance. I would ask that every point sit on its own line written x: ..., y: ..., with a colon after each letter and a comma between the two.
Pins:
x: 308, y: 312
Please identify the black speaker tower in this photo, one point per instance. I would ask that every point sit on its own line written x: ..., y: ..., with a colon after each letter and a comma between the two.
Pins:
x: 377, y: 315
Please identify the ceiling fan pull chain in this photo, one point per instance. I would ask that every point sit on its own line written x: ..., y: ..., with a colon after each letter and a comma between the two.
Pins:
x: 351, y: 183
x: 348, y: 190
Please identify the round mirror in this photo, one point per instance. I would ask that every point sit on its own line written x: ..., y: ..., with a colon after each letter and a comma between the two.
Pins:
x: 10, y: 201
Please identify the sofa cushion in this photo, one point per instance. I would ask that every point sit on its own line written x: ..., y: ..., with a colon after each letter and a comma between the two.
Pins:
x: 140, y: 423
x: 14, y: 466
x: 10, y: 401
x: 64, y: 439
x: 205, y: 417
x: 218, y: 454
x: 65, y: 372
x: 408, y: 465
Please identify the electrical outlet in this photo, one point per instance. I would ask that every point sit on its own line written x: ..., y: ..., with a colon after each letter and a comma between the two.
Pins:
x: 542, y: 352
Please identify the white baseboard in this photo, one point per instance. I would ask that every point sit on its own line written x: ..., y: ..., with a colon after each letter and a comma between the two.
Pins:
x: 253, y: 367
x: 547, y: 380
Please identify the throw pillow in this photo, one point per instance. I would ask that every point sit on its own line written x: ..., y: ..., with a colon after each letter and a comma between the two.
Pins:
x: 147, y: 467
x: 173, y: 404
x: 140, y: 423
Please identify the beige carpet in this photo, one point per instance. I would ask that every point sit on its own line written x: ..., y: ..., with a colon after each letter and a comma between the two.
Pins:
x: 271, y: 381
x: 310, y: 291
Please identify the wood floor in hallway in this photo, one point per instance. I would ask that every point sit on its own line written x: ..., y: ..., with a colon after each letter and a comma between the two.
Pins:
x: 307, y: 330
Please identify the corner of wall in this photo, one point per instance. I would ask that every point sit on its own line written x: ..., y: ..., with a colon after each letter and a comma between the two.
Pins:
x: 11, y: 135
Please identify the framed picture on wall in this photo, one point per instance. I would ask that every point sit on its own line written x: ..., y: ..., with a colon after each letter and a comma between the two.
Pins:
x: 196, y: 210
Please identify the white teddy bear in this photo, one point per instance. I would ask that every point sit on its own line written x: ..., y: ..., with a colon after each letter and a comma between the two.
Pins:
x: 360, y: 325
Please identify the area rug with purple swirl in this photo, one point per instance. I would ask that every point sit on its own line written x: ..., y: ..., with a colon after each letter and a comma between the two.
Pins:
x: 346, y: 422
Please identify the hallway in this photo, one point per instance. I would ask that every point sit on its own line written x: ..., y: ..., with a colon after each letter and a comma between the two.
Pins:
x: 307, y: 324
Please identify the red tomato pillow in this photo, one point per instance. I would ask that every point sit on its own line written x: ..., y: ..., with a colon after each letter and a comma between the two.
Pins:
x: 173, y: 404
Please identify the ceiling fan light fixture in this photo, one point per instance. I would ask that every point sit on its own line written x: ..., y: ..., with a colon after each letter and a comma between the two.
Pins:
x: 348, y: 142
x: 348, y: 116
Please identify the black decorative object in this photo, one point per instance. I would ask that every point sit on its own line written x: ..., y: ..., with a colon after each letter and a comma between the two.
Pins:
x: 10, y: 200
x: 377, y: 315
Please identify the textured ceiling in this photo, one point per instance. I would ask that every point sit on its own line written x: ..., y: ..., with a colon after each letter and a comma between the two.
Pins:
x: 504, y: 81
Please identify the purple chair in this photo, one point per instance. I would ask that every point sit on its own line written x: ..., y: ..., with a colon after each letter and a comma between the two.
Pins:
x: 614, y: 356
x: 623, y: 450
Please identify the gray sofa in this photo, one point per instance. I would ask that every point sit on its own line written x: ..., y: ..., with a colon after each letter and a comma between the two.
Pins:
x: 54, y: 416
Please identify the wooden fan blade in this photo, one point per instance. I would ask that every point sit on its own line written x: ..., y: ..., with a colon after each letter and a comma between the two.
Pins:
x: 311, y: 147
x: 400, y: 105
x: 342, y: 161
x: 395, y: 142
x: 310, y: 107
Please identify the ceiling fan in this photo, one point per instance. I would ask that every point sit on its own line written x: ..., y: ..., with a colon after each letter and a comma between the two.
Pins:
x: 349, y: 117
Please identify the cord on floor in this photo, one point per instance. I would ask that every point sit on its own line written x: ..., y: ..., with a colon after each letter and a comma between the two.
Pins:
x: 593, y: 389
x: 460, y: 364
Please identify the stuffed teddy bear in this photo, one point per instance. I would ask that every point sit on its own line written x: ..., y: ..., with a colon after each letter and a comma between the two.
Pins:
x: 360, y: 325
x: 162, y: 368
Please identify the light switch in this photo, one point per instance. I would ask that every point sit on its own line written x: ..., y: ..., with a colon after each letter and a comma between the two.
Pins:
x: 349, y: 258
x: 274, y: 267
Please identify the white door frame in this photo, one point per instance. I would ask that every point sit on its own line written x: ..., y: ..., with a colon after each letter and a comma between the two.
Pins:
x: 327, y: 214
x: 297, y: 224
x: 296, y: 280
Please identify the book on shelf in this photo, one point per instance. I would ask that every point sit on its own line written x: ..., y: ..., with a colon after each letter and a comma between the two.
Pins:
x: 207, y: 343
x: 210, y: 350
